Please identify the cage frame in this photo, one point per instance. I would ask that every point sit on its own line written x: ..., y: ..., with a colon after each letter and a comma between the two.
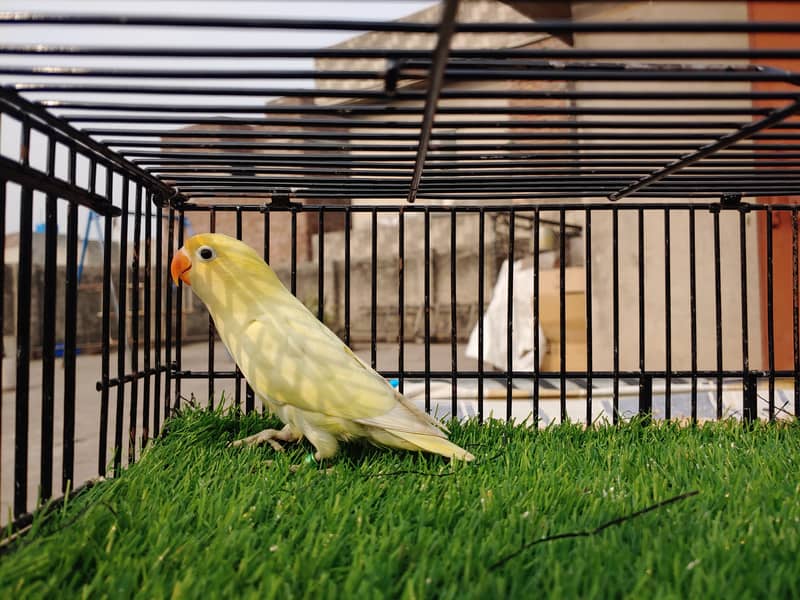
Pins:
x: 164, y: 182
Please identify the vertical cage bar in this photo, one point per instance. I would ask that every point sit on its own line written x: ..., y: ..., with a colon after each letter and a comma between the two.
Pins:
x: 401, y: 300
x: 23, y: 330
x: 212, y: 227
x: 748, y: 400
x: 22, y: 406
x: 667, y: 317
x: 795, y: 314
x: 481, y: 299
x: 92, y: 186
x: 562, y: 313
x: 179, y: 322
x: 249, y: 398
x: 169, y: 332
x: 453, y: 320
x: 536, y: 291
x: 293, y: 250
x: 770, y: 318
x: 122, y: 339
x: 70, y: 335
x: 158, y: 316
x: 645, y: 382
x: 135, y: 264
x: 266, y: 211
x: 25, y: 142
x: 615, y: 314
x: 646, y: 396
x: 105, y: 358
x: 427, y: 300
x: 266, y: 233
x: 373, y: 354
x: 693, y: 311
x: 249, y: 394
x: 510, y: 314
x: 321, y: 264
x: 718, y: 311
x: 148, y: 317
x: 49, y: 332
x: 347, y: 218
x: 587, y: 232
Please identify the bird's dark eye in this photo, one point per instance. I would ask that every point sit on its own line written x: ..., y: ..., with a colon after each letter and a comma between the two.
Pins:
x: 206, y: 253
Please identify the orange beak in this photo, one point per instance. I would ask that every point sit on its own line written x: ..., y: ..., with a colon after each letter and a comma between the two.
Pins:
x: 180, y: 267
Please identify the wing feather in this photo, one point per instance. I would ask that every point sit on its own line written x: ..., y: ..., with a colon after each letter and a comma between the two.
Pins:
x: 292, y: 358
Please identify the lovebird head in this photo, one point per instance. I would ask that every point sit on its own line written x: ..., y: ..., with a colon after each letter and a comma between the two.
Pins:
x: 223, y: 271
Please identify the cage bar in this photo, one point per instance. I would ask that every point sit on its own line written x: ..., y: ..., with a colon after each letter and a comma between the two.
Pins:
x: 122, y: 332
x: 70, y: 334
x: 134, y: 401
x: 48, y: 336
x: 148, y: 301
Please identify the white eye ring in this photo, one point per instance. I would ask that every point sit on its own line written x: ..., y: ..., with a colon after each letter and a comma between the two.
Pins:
x: 206, y: 253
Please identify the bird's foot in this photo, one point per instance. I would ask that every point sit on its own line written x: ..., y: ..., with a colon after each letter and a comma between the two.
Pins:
x: 273, y: 437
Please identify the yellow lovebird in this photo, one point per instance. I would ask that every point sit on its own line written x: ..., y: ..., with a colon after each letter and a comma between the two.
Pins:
x: 298, y: 367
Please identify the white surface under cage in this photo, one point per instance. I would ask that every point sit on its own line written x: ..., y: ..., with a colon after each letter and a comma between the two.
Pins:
x: 495, y: 403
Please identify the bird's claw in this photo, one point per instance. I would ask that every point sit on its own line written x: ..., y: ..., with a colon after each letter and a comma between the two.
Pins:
x: 262, y: 437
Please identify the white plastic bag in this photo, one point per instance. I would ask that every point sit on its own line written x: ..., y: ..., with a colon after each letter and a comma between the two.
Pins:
x: 495, y: 323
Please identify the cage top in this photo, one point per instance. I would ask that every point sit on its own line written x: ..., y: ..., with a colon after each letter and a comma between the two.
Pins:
x: 470, y: 101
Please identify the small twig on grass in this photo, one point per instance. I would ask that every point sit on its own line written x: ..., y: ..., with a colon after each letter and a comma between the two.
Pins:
x: 596, y: 530
x: 781, y: 408
x: 504, y: 443
x: 490, y: 459
x: 110, y: 508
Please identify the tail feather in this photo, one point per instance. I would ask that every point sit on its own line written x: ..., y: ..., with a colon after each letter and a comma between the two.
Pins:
x: 420, y: 442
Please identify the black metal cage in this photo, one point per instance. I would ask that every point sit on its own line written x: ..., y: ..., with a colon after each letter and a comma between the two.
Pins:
x: 599, y: 212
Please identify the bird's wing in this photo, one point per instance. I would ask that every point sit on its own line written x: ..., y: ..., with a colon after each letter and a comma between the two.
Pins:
x: 292, y: 358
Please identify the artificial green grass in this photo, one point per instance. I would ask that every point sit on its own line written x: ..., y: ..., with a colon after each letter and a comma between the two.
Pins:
x: 195, y: 518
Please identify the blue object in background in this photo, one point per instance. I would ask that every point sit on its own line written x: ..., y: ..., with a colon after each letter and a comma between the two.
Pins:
x: 394, y: 382
x: 42, y: 228
x: 59, y: 350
